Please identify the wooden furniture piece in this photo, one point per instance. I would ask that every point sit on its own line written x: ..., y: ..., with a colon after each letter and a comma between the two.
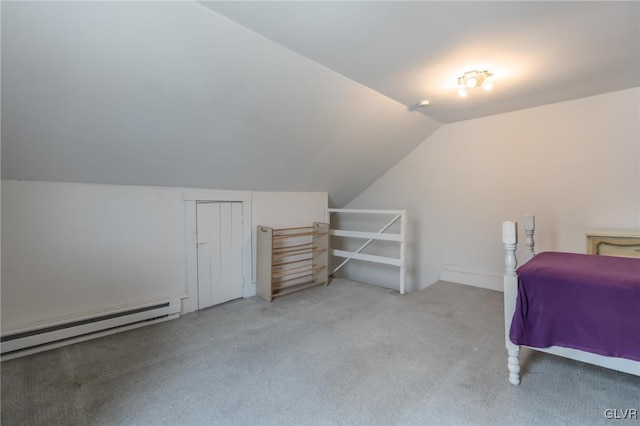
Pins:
x: 291, y: 259
x: 614, y: 243
x: 511, y: 282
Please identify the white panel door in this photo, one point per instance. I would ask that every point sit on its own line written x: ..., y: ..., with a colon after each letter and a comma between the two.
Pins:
x: 219, y: 232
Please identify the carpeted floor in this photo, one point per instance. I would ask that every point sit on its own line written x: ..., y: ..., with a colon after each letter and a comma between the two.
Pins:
x: 344, y: 354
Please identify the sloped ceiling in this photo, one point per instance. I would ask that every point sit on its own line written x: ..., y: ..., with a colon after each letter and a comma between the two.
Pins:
x: 164, y: 93
x: 540, y: 52
x: 281, y: 96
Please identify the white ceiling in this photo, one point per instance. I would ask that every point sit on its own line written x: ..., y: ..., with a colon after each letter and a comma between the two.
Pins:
x: 280, y: 96
x: 540, y: 52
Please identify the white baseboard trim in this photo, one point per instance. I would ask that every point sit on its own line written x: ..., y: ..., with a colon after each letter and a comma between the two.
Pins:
x: 472, y: 277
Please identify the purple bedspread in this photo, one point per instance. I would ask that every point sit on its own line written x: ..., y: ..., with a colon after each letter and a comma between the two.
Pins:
x: 579, y: 301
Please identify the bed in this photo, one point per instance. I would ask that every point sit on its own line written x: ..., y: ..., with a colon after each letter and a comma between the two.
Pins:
x: 579, y: 306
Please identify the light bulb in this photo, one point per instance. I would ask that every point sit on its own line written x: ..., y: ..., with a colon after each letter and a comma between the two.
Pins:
x: 487, y: 85
x: 462, y: 92
x: 471, y: 82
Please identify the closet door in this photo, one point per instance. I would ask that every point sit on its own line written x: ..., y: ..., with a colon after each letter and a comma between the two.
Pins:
x: 219, y: 232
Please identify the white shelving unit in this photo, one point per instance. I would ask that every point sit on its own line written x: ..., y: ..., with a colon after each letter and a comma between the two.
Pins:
x: 400, y: 262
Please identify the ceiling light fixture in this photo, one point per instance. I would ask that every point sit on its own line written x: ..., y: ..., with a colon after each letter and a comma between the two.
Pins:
x: 471, y: 79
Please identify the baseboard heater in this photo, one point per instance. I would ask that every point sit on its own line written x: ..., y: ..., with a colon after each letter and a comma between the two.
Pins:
x: 36, y: 339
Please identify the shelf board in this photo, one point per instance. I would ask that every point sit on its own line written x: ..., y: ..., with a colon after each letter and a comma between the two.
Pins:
x: 283, y: 249
x: 283, y: 291
x: 300, y: 252
x: 292, y: 229
x: 276, y: 265
x: 299, y: 234
x: 308, y: 268
x: 284, y: 280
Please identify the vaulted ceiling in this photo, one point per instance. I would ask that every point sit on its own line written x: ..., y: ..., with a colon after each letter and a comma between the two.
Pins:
x: 280, y: 96
x: 540, y: 52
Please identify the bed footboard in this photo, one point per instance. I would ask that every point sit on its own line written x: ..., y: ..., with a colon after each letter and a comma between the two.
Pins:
x: 510, y: 240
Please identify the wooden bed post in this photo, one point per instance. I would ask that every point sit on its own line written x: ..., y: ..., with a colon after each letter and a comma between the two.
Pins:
x: 510, y: 240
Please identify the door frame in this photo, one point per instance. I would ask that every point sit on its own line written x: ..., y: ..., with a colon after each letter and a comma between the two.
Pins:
x: 191, y: 197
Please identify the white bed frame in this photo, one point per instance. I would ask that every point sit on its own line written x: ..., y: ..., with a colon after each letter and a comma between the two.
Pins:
x: 510, y: 240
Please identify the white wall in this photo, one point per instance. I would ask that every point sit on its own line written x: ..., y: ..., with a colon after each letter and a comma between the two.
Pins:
x: 70, y: 250
x: 576, y: 165
x: 288, y: 209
